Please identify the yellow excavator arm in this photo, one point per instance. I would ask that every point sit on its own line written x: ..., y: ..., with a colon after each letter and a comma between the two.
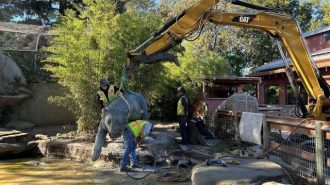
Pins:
x: 282, y: 27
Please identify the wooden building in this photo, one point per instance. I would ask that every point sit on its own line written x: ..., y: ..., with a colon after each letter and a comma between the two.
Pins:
x: 217, y: 89
x: 275, y: 88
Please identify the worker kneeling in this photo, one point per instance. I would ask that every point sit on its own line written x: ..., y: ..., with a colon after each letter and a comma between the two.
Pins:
x: 133, y: 133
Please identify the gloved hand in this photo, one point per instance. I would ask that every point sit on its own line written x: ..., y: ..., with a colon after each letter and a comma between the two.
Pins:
x: 139, y: 140
x: 103, y: 111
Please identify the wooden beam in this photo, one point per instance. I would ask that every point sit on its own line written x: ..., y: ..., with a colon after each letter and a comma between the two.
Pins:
x: 301, y: 153
x: 291, y: 150
x: 24, y: 28
x: 289, y: 128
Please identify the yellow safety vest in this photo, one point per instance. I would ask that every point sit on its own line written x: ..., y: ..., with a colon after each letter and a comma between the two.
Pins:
x: 180, y: 108
x: 103, y: 98
x: 137, y: 127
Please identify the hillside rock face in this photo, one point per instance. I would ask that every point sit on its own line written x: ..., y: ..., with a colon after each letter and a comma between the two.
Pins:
x: 11, y: 77
x: 12, y: 82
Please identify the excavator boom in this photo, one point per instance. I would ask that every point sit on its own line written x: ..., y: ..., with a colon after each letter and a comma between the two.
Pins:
x: 282, y: 27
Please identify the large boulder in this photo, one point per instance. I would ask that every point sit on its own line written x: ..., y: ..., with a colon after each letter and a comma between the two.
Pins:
x: 12, y: 149
x: 243, y: 102
x: 12, y: 82
x: 13, y: 143
x: 240, y: 102
x: 161, y: 143
x: 11, y: 77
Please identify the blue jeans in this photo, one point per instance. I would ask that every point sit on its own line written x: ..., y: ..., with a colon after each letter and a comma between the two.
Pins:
x: 130, y: 146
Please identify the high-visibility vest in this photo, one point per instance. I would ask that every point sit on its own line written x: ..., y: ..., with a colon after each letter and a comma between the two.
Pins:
x: 137, y: 127
x: 110, y: 95
x: 180, y: 107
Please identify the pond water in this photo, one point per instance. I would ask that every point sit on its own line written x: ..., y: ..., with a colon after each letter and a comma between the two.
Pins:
x: 47, y: 171
x: 60, y: 171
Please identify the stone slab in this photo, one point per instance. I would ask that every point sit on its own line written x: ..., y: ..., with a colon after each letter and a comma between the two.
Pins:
x: 80, y: 149
x: 250, y: 127
x: 13, y: 136
x: 11, y: 149
x: 249, y: 171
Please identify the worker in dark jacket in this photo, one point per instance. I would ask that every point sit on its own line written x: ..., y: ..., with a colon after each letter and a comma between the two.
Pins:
x: 133, y: 133
x: 182, y: 113
x: 106, y: 93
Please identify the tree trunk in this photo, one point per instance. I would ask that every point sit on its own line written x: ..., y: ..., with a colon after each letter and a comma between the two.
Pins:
x: 63, y: 6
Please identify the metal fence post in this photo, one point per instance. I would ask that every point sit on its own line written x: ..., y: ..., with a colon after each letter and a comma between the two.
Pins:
x: 265, y: 132
x: 319, y: 153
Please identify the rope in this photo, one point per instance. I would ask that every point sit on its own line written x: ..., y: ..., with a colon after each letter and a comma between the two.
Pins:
x: 164, y: 174
x: 123, y: 80
x: 129, y: 107
x: 285, y: 140
x: 170, y: 175
x: 138, y: 178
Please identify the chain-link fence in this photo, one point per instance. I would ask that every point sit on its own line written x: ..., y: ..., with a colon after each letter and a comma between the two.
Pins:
x: 301, y: 147
x: 298, y: 145
x: 24, y: 47
x: 297, y: 153
x: 23, y: 43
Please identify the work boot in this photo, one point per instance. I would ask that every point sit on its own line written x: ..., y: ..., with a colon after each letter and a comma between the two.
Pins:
x: 124, y: 169
x: 136, y: 166
x: 184, y: 143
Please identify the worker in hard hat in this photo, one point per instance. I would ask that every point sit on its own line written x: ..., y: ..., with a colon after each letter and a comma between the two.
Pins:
x: 182, y: 113
x: 106, y: 94
x: 135, y: 132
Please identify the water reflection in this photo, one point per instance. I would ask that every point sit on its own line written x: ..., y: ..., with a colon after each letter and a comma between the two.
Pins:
x: 46, y: 171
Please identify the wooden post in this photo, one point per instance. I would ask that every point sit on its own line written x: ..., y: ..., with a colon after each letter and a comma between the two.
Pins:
x: 319, y: 153
x: 236, y: 124
x: 265, y: 133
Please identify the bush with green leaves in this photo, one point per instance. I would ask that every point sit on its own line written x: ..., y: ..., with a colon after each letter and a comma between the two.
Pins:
x: 195, y: 64
x: 91, y: 46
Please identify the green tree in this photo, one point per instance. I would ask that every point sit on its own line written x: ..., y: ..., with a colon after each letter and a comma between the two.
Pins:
x: 94, y: 46
x: 245, y: 48
x: 31, y: 12
x: 321, y: 14
x: 196, y: 62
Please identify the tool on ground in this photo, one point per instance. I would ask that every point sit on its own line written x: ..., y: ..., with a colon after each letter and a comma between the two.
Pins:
x: 232, y: 162
x: 216, y: 161
x: 163, y: 174
x: 186, y: 148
